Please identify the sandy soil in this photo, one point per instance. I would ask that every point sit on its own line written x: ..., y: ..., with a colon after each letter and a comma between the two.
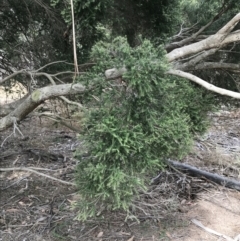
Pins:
x: 218, y: 210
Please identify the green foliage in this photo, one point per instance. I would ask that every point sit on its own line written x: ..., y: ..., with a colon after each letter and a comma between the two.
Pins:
x: 31, y: 36
x: 151, y: 19
x: 196, y: 102
x: 132, y: 128
x: 202, y: 12
x: 88, y: 15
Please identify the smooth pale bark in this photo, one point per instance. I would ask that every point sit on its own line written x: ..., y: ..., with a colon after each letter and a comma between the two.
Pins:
x: 195, y: 36
x: 221, y: 38
x: 214, y: 41
x: 12, y: 75
x: 35, y: 99
x: 114, y: 73
x: 7, y: 108
x: 190, y: 57
x: 194, y: 60
x: 204, y: 84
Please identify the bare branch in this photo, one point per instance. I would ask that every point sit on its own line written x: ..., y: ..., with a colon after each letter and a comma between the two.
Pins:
x: 7, y: 108
x: 66, y: 72
x: 204, y: 84
x: 230, y: 25
x: 218, y: 40
x: 214, y: 41
x: 191, y: 64
x: 114, y: 73
x: 232, y: 37
x: 36, y: 98
x: 192, y: 38
x: 12, y: 75
x: 50, y: 78
x: 36, y: 172
x: 199, y: 224
x: 70, y: 102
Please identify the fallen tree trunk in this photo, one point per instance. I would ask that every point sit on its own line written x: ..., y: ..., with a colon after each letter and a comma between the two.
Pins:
x: 35, y: 99
x: 7, y: 108
x: 193, y: 171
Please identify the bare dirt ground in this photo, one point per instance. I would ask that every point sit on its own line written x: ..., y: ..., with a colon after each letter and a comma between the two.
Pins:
x: 34, y: 207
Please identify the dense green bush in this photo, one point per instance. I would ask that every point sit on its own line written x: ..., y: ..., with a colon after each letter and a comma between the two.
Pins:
x: 132, y: 128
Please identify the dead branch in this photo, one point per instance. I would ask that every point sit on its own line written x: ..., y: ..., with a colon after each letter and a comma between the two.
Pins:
x: 218, y: 40
x: 114, y: 73
x: 192, y: 38
x: 12, y: 75
x: 193, y: 171
x: 230, y: 25
x: 50, y: 78
x: 194, y: 60
x: 35, y: 99
x: 199, y: 224
x: 204, y: 84
x: 7, y: 169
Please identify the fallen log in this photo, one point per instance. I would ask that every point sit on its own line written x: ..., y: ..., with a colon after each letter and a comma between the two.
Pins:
x: 193, y: 171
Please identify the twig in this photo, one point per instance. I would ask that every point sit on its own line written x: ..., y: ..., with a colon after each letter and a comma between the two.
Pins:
x: 6, y: 139
x: 36, y: 172
x: 13, y: 183
x: 70, y: 102
x: 15, y: 127
x: 199, y: 224
x: 12, y: 75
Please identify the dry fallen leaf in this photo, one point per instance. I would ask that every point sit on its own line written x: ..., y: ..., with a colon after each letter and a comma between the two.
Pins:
x: 100, y: 235
x: 41, y: 219
x: 169, y: 235
x: 131, y: 239
x: 12, y: 210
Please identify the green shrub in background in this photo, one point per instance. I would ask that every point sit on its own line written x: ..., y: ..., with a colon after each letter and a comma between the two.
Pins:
x: 130, y: 130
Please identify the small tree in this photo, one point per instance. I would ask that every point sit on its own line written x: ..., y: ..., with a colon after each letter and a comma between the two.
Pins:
x: 134, y: 123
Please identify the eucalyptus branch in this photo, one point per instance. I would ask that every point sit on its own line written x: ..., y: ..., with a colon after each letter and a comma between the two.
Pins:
x: 193, y: 37
x: 12, y: 75
x: 204, y: 84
